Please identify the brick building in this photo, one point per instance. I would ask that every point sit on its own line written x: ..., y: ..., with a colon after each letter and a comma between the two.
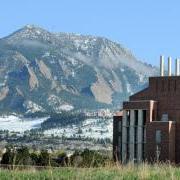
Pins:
x: 148, y: 127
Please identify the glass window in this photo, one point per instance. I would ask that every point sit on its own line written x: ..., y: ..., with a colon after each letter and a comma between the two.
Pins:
x: 136, y: 117
x: 128, y: 117
x: 158, y: 136
x: 120, y: 126
x: 144, y: 117
x: 164, y: 117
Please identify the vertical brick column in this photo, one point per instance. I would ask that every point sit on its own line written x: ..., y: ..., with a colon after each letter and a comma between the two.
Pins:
x: 132, y: 135
x: 124, y: 136
x: 140, y: 135
x: 117, y: 138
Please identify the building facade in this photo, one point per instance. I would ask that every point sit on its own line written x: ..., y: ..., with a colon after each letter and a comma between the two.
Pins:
x: 148, y: 127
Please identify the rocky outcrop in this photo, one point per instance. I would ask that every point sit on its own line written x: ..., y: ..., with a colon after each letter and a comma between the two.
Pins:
x: 3, y: 93
x: 101, y: 91
x: 44, y: 69
x: 57, y: 71
x: 33, y: 81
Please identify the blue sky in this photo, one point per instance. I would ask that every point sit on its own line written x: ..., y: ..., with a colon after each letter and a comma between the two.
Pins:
x: 147, y: 27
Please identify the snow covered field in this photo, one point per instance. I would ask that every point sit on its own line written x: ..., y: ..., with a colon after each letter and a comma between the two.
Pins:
x: 92, y: 128
x: 18, y: 124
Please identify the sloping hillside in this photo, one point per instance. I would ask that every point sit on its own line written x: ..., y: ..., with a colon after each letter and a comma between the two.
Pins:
x: 43, y: 71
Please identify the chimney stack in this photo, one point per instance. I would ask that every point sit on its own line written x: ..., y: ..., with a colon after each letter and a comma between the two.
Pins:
x: 161, y: 65
x: 177, y: 67
x: 169, y: 66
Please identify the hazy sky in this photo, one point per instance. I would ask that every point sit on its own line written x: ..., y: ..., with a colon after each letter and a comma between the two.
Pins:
x: 147, y: 27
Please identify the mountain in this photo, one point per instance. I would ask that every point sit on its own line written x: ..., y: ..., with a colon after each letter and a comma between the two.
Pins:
x: 51, y: 72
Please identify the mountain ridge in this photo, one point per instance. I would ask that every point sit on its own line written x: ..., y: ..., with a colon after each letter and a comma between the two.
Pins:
x: 47, y: 71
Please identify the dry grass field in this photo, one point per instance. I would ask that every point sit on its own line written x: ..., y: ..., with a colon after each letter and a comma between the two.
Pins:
x: 110, y: 172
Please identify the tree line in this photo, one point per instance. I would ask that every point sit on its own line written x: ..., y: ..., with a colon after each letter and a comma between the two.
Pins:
x: 24, y: 156
x: 63, y: 119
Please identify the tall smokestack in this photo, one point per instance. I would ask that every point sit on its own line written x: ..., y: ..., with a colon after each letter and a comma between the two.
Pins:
x: 161, y: 65
x: 177, y: 67
x: 169, y: 66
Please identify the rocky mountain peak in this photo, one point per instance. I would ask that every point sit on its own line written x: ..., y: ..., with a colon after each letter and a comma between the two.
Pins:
x: 29, y: 32
x: 55, y: 70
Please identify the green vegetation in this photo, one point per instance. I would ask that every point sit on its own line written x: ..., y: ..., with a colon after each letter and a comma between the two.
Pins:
x: 62, y: 119
x: 22, y: 156
x: 25, y: 164
x: 129, y: 172
x: 88, y: 159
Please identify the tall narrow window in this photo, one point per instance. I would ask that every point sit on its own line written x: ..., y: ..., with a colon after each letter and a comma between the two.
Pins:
x: 128, y: 117
x: 144, y: 142
x: 144, y: 117
x: 144, y: 134
x: 120, y: 126
x: 136, y: 117
x: 135, y: 150
x: 158, y: 136
x: 127, y: 152
x: 119, y: 155
x: 128, y: 138
x: 135, y: 125
x: 143, y: 152
x: 135, y: 133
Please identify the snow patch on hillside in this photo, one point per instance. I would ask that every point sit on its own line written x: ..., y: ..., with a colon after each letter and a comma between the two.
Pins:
x: 32, y: 107
x: 91, y: 128
x: 66, y: 107
x: 19, y: 124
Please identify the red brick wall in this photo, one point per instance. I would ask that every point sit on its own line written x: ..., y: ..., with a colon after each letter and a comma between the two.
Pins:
x: 177, y: 146
x: 167, y: 144
x: 172, y: 140
x: 116, y: 134
x: 166, y: 91
x: 150, y: 106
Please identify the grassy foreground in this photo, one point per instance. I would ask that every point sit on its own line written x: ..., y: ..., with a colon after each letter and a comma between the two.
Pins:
x: 105, y: 173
